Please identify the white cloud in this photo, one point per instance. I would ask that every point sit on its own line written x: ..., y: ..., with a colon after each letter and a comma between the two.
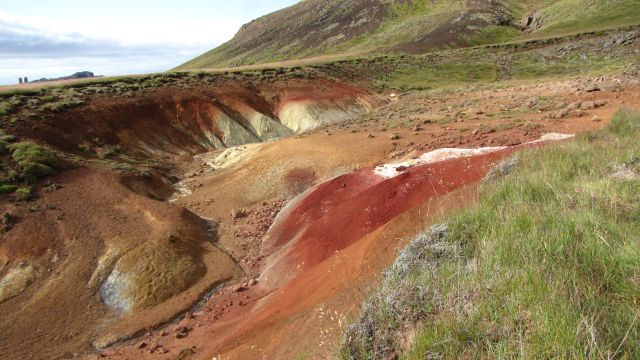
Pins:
x: 36, y: 47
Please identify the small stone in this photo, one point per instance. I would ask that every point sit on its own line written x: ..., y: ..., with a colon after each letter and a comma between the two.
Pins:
x: 237, y: 214
x: 253, y: 282
x: 592, y: 88
x: 239, y: 288
x: 142, y: 345
x: 395, y: 136
x: 370, y: 136
x: 560, y: 114
x: 574, y: 105
x: 587, y: 105
x: 596, y: 118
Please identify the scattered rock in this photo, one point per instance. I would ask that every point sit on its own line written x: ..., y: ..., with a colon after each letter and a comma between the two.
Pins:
x: 592, y: 88
x: 182, y: 332
x: 587, y: 105
x: 142, y: 345
x: 503, y: 168
x: 395, y: 136
x: 252, y: 282
x: 596, y: 118
x: 370, y: 136
x: 239, y: 288
x: 560, y: 114
x: 531, y: 102
x: 237, y: 214
x: 624, y: 173
x: 574, y: 105
x: 185, y: 353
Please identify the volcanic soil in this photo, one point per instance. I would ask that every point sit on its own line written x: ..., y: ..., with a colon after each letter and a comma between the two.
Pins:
x: 312, y: 224
x: 251, y: 218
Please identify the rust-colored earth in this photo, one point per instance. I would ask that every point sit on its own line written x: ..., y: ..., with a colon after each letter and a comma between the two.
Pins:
x: 275, y: 236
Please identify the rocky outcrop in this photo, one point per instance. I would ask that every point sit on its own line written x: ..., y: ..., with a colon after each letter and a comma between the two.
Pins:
x: 532, y: 22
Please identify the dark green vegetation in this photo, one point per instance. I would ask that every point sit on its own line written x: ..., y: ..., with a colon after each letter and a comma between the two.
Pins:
x: 317, y: 28
x: 23, y: 164
x: 544, y: 266
x: 34, y: 160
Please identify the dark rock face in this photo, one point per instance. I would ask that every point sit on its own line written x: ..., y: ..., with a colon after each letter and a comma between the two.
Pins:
x: 78, y: 75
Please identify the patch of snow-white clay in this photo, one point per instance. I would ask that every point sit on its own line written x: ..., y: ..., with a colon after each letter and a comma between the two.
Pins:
x: 115, y: 291
x: 391, y: 170
x: 554, y: 137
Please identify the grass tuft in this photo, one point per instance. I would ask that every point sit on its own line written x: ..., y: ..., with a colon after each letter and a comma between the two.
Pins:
x: 36, y: 161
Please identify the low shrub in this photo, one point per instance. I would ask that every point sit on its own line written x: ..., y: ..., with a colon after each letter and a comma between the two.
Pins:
x: 23, y: 194
x: 5, y: 108
x: 8, y: 189
x: 36, y: 161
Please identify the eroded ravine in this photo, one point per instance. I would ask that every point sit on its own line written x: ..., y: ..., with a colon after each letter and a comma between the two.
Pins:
x: 109, y: 244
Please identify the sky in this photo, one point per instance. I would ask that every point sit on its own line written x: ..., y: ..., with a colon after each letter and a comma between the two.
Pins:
x: 53, y: 38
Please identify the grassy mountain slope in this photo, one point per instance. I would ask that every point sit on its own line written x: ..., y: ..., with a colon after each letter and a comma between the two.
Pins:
x: 328, y: 27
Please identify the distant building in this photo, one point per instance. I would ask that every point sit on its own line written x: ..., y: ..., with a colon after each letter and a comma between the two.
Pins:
x: 26, y: 80
x: 19, y: 80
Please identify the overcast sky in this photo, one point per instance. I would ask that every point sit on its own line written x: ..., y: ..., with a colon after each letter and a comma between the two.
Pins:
x: 52, y: 38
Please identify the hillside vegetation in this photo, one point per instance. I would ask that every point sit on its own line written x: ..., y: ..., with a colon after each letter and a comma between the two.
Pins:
x: 316, y: 28
x: 545, y: 266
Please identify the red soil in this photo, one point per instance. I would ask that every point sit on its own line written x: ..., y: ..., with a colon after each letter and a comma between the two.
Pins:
x: 341, y: 211
x: 170, y: 121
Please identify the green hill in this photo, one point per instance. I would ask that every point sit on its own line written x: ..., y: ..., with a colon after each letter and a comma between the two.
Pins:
x: 314, y: 28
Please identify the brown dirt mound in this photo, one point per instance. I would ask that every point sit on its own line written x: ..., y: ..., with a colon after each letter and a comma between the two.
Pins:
x: 78, y: 236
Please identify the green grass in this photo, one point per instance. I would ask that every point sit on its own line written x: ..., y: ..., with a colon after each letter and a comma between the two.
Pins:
x: 5, y: 108
x: 568, y: 16
x: 36, y: 161
x: 440, y: 76
x: 23, y: 194
x: 548, y: 263
x: 8, y: 188
x: 492, y: 35
x: 530, y: 65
